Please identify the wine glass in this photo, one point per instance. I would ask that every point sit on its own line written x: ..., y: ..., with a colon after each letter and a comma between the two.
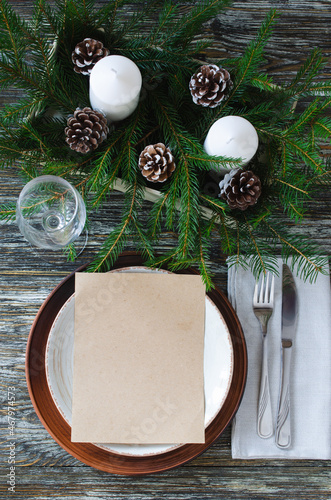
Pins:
x: 50, y: 213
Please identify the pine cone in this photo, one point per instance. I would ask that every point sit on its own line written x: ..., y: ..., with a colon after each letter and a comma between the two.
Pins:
x: 210, y: 85
x: 86, y: 54
x: 86, y: 129
x: 156, y: 162
x: 240, y: 188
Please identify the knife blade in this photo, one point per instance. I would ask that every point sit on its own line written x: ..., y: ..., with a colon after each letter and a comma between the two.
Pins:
x: 289, y: 321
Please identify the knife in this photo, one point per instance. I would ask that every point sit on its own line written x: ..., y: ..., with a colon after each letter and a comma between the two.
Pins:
x: 289, y: 321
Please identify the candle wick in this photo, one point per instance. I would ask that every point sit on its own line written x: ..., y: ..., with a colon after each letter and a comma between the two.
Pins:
x: 112, y: 75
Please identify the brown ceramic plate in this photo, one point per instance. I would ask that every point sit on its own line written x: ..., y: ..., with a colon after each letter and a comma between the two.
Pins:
x: 103, y: 458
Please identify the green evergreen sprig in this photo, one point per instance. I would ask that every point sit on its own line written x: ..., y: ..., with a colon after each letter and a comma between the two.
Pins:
x: 35, y: 57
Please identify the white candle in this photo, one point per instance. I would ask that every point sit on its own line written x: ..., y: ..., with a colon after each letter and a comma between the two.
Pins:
x: 232, y: 136
x: 115, y: 84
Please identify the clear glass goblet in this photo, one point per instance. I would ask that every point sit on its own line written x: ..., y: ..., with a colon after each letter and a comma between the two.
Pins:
x: 50, y: 213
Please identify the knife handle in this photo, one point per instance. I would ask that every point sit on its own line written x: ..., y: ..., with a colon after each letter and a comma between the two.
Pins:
x: 283, y: 423
x: 264, y: 418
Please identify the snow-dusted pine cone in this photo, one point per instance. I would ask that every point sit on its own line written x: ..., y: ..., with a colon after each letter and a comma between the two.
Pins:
x: 86, y: 129
x: 210, y: 85
x: 86, y: 54
x: 240, y: 188
x: 156, y: 162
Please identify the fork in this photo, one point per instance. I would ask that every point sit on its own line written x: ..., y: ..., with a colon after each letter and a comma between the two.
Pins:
x: 263, y: 304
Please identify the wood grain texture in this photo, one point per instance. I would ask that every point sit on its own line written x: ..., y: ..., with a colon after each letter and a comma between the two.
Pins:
x: 43, y: 469
x: 189, y: 483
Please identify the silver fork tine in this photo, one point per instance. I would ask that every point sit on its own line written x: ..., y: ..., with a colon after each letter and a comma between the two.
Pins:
x: 272, y: 289
x: 255, y: 292
x: 261, y: 290
x: 266, y: 293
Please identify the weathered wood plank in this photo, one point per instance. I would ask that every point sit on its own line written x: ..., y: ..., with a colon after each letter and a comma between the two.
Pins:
x: 187, y: 482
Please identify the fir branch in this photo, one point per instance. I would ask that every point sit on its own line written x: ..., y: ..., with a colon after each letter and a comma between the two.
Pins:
x: 5, y: 129
x: 109, y: 180
x: 295, y: 211
x: 215, y: 204
x: 291, y: 186
x: 9, y: 19
x: 188, y: 183
x: 226, y: 240
x: 167, y: 15
x: 309, y: 264
x: 111, y: 249
x: 164, y: 260
x: 263, y: 82
x: 8, y: 212
x: 322, y: 128
x: 35, y: 134
x: 324, y: 177
x: 70, y: 252
x: 9, y: 154
x: 310, y: 158
x: 189, y: 208
x: 144, y: 244
x: 19, y: 110
x: 258, y: 251
x: 154, y: 222
x: 186, y: 29
x: 112, y: 16
x: 250, y: 61
x: 102, y: 164
x: 26, y: 80
x: 178, y: 265
x: 122, y: 32
x: 204, y: 249
x: 114, y: 244
x: 292, y: 166
x: 270, y: 264
x: 54, y: 22
x: 318, y: 89
x: 68, y: 169
x: 312, y: 110
x: 307, y: 71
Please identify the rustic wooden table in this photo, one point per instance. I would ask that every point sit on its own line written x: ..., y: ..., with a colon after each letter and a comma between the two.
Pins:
x: 43, y: 469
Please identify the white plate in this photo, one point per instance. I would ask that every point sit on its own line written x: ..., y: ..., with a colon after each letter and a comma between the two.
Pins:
x: 218, y: 367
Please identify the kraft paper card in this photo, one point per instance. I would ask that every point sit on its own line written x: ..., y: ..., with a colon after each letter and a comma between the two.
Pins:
x: 138, y: 358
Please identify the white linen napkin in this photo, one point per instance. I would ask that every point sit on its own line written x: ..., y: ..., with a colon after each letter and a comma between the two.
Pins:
x: 310, y: 389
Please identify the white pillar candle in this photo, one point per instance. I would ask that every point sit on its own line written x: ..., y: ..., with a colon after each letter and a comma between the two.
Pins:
x: 115, y: 84
x: 232, y: 136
